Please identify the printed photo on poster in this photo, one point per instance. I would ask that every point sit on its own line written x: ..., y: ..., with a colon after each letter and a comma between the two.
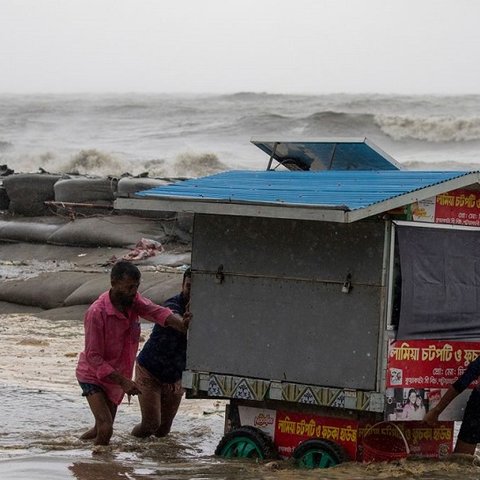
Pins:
x: 406, y: 404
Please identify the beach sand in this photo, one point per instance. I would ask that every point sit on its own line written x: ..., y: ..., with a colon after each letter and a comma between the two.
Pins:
x: 43, y: 413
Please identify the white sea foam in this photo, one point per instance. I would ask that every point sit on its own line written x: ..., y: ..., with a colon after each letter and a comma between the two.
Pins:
x: 430, y: 129
x: 193, y: 135
x: 87, y: 161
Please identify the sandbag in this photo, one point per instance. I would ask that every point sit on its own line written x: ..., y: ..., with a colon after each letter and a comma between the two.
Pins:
x: 128, y: 187
x: 185, y: 221
x: 90, y: 196
x: 152, y: 279
x: 162, y: 291
x: 8, y: 308
x: 28, y: 192
x: 89, y: 291
x: 4, y: 200
x: 48, y: 290
x: 86, y: 190
x: 111, y: 231
x: 75, y: 312
x: 32, y: 232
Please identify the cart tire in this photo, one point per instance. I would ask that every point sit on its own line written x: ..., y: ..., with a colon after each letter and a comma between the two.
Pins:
x: 246, y: 442
x: 319, y: 453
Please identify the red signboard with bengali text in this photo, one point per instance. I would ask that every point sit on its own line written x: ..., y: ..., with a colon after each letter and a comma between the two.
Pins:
x: 428, y: 363
x: 422, y: 439
x: 291, y: 428
x: 458, y: 207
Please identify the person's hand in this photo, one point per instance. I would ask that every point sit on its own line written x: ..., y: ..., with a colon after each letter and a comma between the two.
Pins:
x: 187, y: 317
x: 130, y: 387
x: 178, y: 322
x: 431, y: 418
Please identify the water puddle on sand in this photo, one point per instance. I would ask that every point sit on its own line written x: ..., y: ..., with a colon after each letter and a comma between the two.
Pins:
x: 39, y: 440
x: 85, y: 466
x: 14, y: 269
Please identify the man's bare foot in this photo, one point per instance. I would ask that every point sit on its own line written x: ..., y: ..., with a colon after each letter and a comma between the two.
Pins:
x: 162, y: 432
x: 140, y: 431
x: 89, y: 434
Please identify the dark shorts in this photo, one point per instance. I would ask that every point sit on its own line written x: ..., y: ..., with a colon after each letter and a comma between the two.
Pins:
x: 89, y: 388
x: 470, y: 429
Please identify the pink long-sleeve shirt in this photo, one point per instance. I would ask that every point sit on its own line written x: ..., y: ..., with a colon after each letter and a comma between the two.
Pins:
x: 111, y: 341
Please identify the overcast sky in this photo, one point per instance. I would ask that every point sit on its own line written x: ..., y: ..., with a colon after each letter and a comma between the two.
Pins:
x: 278, y: 46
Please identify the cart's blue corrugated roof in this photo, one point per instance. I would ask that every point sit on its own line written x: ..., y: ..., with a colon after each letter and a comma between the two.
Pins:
x: 349, y: 190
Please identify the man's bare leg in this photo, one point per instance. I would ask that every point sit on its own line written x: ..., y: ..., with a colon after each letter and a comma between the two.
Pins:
x: 464, y: 447
x: 104, y: 413
x: 170, y: 402
x: 149, y: 401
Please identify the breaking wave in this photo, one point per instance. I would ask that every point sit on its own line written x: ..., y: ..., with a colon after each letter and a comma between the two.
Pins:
x: 195, y: 165
x: 339, y: 124
x: 88, y: 161
x: 133, y: 133
x: 431, y: 129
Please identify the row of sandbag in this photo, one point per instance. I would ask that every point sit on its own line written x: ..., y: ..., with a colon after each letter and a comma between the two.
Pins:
x: 26, y: 193
x: 65, y: 289
x: 107, y: 230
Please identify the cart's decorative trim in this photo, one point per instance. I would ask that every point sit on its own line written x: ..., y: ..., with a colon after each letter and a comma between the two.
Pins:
x: 230, y: 386
x: 237, y: 387
x: 332, y: 397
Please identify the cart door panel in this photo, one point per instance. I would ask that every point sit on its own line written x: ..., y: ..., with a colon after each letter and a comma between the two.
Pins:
x: 289, y: 248
x: 278, y: 311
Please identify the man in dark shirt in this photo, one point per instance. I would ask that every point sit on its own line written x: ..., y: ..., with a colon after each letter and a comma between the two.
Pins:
x: 469, y: 434
x: 158, y: 370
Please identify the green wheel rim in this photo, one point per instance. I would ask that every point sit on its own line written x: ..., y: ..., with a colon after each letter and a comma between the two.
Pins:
x: 241, y: 447
x: 316, y: 458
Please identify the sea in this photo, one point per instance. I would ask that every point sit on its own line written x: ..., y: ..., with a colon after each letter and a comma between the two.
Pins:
x: 41, y: 411
x: 193, y: 135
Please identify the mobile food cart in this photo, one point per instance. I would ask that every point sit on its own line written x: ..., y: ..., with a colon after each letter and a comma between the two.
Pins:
x: 334, y: 300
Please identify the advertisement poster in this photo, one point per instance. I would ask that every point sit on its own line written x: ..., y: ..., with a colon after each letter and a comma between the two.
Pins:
x: 422, y: 439
x: 458, y: 207
x: 292, y: 428
x: 295, y: 427
x: 260, y: 418
x: 420, y: 371
x: 428, y: 363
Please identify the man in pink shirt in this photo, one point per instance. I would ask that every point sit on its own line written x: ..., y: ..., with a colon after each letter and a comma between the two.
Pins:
x: 112, y: 333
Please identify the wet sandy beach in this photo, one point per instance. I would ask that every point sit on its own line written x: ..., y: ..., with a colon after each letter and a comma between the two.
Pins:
x: 42, y: 415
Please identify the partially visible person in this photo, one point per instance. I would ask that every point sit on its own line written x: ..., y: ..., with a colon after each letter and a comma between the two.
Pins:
x: 420, y: 411
x: 158, y: 370
x: 112, y: 332
x: 410, y: 408
x: 469, y: 434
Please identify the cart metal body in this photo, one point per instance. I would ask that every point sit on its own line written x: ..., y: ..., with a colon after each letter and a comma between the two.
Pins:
x: 304, y: 294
